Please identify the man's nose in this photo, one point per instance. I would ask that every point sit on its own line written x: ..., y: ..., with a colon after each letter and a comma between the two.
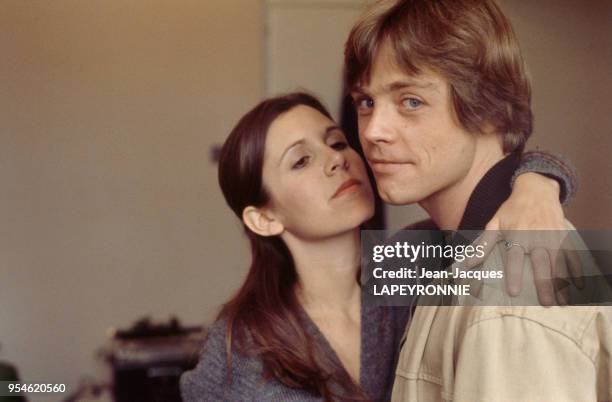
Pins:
x: 378, y: 127
x: 336, y: 161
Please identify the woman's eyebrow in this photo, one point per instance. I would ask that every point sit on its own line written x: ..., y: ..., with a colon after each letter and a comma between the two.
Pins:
x: 330, y: 130
x: 326, y: 134
x: 298, y: 142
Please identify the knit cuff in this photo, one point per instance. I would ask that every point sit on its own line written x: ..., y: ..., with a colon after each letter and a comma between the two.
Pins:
x: 554, y: 166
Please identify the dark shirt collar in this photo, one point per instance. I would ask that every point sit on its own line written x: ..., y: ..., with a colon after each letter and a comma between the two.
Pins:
x: 490, y: 192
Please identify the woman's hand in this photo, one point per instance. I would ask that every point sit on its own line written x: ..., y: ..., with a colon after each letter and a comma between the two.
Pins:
x: 532, y: 222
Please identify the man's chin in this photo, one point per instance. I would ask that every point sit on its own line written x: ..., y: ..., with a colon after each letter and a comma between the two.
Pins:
x: 399, y: 198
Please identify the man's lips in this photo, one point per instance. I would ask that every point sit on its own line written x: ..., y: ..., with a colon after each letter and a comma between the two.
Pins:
x: 346, y: 186
x: 386, y: 166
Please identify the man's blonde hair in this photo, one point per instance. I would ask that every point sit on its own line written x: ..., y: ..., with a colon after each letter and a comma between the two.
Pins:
x: 469, y: 42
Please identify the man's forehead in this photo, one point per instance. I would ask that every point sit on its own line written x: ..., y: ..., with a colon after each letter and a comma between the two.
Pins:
x: 390, y: 81
x: 387, y: 72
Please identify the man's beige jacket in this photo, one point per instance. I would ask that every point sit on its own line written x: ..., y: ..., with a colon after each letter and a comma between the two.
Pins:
x: 508, y: 352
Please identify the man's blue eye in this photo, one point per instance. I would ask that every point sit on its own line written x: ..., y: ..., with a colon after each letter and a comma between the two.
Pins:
x: 365, y: 103
x: 300, y: 163
x: 412, y: 103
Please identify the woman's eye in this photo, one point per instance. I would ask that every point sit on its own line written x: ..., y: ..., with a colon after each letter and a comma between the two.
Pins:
x: 340, y: 145
x: 303, y: 161
x: 412, y: 103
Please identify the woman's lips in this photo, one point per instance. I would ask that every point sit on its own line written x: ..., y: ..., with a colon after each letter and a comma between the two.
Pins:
x: 347, y: 186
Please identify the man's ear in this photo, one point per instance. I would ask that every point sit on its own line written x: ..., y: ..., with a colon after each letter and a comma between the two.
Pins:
x: 488, y: 128
x: 262, y: 222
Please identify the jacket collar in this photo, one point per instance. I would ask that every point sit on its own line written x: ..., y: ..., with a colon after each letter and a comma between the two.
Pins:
x: 490, y: 192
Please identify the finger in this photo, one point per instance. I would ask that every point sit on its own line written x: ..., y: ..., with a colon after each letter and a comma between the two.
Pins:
x: 574, y: 267
x: 475, y: 285
x: 492, y: 225
x: 560, y: 277
x: 476, y: 288
x: 487, y: 241
x: 515, y: 259
x: 542, y: 275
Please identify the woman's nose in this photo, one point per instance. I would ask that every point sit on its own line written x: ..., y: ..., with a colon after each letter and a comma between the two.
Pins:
x: 337, y: 160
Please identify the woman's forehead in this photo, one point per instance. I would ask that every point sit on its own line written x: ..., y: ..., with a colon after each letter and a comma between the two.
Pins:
x: 300, y: 123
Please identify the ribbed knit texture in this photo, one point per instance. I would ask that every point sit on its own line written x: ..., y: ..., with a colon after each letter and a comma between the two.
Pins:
x: 381, y: 331
x: 554, y: 166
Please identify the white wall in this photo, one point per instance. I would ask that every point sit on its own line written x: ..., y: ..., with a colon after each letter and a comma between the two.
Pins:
x: 568, y: 48
x: 110, y: 208
x: 305, y: 46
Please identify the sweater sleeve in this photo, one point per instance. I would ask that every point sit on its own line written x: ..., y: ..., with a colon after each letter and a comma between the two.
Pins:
x: 206, y: 382
x: 553, y: 166
x: 211, y: 379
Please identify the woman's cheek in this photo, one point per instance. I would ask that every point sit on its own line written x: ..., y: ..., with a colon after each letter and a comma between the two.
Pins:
x: 300, y: 197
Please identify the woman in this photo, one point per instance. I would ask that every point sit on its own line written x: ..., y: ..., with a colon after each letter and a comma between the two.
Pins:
x: 296, y: 330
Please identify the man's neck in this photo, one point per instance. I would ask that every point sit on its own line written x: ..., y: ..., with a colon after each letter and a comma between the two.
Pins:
x: 447, y: 206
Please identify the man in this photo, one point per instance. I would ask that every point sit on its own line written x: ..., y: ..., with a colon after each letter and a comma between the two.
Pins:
x: 443, y: 104
x: 358, y: 66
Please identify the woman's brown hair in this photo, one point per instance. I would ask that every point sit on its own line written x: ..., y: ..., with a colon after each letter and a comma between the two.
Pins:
x: 264, y: 317
x: 469, y: 42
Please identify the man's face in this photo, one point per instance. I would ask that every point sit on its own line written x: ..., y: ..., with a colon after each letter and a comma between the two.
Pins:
x: 409, y: 133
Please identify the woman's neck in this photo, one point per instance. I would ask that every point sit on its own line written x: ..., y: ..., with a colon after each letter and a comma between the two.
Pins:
x: 327, y: 270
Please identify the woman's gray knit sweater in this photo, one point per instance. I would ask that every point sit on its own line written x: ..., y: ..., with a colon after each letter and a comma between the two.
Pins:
x: 381, y: 331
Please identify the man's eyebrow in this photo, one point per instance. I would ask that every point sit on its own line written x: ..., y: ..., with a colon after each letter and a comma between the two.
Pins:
x: 326, y: 134
x: 398, y: 85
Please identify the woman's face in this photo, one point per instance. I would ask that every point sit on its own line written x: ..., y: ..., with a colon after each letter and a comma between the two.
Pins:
x: 317, y: 183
